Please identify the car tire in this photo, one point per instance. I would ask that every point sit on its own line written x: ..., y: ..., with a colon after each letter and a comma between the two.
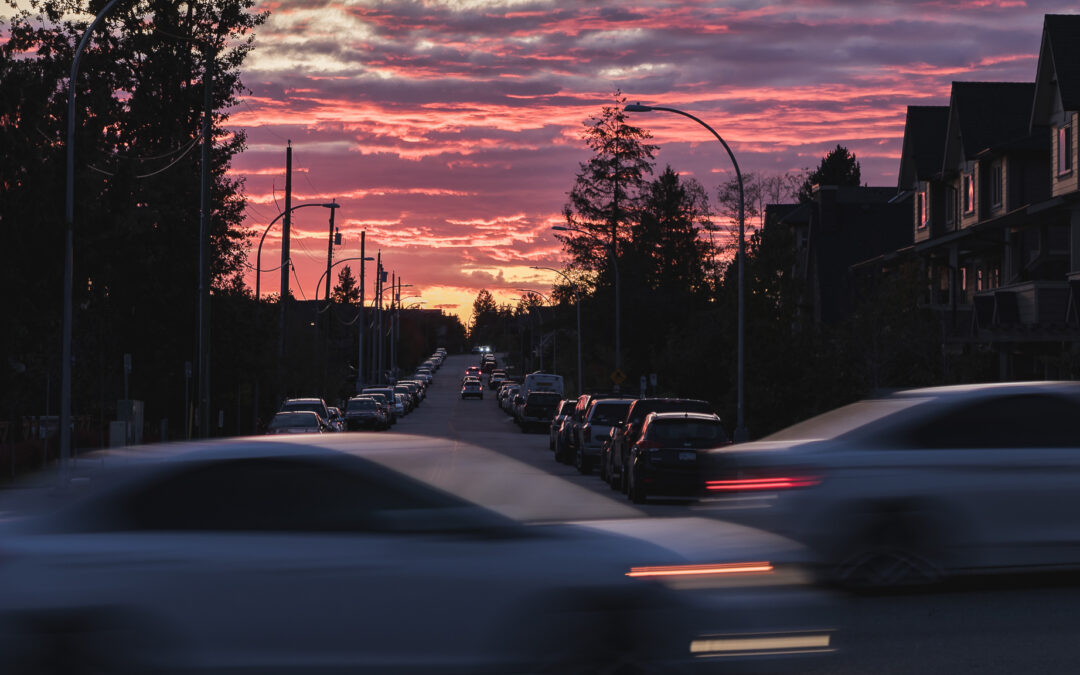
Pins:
x: 895, y: 550
x: 636, y: 491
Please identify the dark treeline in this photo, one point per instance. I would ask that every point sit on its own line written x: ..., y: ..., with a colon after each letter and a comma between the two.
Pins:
x: 678, y: 283
x: 139, y: 110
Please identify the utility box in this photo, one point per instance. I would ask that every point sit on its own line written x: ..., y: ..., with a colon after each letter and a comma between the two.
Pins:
x: 118, y: 433
x: 131, y: 412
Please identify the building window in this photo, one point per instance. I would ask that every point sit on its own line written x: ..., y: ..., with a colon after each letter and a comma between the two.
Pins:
x: 979, y: 279
x: 967, y: 189
x: 1064, y: 150
x: 995, y: 276
x: 995, y: 184
x: 922, y: 215
x: 963, y: 279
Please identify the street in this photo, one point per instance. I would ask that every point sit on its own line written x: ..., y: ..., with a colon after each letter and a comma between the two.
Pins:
x: 990, y: 626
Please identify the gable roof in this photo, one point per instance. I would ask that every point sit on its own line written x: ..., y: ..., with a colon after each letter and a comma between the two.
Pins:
x: 986, y: 115
x: 924, y: 143
x: 1059, y: 57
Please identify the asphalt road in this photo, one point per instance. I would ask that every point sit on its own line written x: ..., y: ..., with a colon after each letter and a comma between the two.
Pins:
x: 1000, y: 625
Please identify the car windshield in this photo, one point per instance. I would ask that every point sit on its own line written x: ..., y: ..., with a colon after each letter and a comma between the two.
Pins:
x: 679, y: 431
x: 361, y: 404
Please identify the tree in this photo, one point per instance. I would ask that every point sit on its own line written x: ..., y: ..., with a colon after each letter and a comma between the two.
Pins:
x: 839, y: 167
x: 485, y: 316
x: 666, y: 240
x: 139, y: 109
x: 347, y: 290
x: 608, y: 188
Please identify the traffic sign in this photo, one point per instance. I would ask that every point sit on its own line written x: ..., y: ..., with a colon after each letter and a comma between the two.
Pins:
x: 618, y: 376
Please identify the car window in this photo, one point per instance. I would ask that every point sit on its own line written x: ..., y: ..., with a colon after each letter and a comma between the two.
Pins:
x: 275, y: 494
x: 609, y: 413
x: 308, y: 406
x: 292, y: 421
x: 1021, y: 421
x: 360, y: 404
x: 847, y: 419
x: 679, y: 431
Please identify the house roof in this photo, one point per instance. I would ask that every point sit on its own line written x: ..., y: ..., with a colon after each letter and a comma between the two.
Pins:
x: 924, y: 143
x: 1062, y: 32
x: 989, y: 114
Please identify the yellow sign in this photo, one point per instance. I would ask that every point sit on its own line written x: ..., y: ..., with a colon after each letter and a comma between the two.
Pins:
x: 618, y: 377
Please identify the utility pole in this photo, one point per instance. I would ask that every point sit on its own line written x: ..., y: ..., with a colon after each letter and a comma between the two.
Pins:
x: 393, y: 312
x: 204, y: 249
x: 376, y: 353
x: 360, y: 319
x: 283, y: 298
x: 329, y: 308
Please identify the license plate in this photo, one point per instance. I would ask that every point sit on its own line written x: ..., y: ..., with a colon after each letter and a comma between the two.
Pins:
x: 687, y: 456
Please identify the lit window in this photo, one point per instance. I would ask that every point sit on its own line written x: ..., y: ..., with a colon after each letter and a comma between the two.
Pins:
x: 979, y: 279
x: 1064, y: 149
x: 963, y: 279
x: 922, y: 218
x: 968, y: 193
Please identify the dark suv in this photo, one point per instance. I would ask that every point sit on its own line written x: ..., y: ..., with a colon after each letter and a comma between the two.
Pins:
x: 539, y: 409
x: 615, y: 455
x: 670, y: 458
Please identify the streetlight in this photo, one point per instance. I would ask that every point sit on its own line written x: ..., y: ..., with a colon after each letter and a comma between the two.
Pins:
x: 343, y: 260
x: 618, y: 313
x: 741, y: 433
x: 258, y: 256
x: 547, y: 300
x: 577, y: 303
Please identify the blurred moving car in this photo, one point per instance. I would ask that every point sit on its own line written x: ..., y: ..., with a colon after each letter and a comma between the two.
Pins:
x: 254, y: 555
x: 365, y: 412
x: 922, y: 484
x: 296, y: 422
x: 671, y: 457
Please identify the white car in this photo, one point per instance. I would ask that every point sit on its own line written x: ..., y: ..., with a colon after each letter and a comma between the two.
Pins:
x: 921, y: 484
x: 276, y: 554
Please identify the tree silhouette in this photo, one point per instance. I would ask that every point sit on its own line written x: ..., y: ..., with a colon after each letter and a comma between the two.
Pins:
x: 839, y: 167
x: 347, y: 289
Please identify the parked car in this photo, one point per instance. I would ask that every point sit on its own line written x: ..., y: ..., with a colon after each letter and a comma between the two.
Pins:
x: 923, y: 484
x: 386, y: 397
x: 566, y: 441
x: 615, y: 455
x: 246, y: 556
x: 471, y: 388
x: 670, y: 458
x: 336, y: 421
x: 603, y: 414
x: 410, y: 398
x: 399, y: 405
x: 315, y: 405
x: 496, y: 378
x: 296, y: 422
x: 365, y: 412
x: 566, y: 407
x: 506, y: 397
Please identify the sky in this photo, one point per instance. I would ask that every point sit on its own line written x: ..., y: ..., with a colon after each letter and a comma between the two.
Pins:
x: 450, y: 130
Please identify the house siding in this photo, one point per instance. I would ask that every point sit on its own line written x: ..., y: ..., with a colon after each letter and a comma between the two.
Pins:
x: 1067, y: 183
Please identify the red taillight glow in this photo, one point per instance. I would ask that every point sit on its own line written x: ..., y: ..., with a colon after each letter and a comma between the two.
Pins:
x: 770, y: 483
x: 694, y: 570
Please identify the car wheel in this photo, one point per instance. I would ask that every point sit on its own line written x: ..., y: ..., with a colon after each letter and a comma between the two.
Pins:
x: 896, y: 551
x: 582, y: 463
x: 636, y: 491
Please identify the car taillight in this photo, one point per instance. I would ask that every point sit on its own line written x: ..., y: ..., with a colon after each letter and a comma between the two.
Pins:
x: 765, y: 481
x: 646, y: 446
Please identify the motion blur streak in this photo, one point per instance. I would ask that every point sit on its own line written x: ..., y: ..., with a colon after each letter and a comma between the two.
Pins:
x: 782, y: 483
x: 686, y: 570
x: 774, y: 644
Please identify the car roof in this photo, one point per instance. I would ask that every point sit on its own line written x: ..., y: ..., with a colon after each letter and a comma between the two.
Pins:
x: 700, y: 417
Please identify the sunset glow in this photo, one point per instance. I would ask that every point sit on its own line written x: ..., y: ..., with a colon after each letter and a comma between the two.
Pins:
x: 449, y: 130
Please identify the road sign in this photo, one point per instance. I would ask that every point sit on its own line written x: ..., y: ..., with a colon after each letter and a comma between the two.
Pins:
x: 618, y: 376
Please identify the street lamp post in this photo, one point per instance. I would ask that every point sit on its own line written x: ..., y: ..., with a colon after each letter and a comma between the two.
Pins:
x: 577, y: 304
x: 618, y: 313
x: 741, y: 433
x: 541, y: 343
x: 258, y: 255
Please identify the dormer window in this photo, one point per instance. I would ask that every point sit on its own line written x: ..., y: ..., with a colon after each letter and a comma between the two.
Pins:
x: 967, y: 193
x: 1064, y: 148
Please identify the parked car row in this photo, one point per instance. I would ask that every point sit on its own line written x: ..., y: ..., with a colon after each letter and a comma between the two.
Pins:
x: 375, y: 408
x: 649, y: 447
